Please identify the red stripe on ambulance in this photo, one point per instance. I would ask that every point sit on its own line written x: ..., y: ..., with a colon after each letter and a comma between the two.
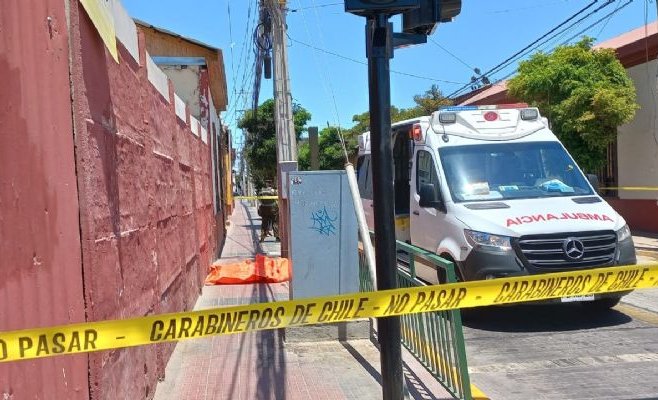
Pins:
x: 528, y: 219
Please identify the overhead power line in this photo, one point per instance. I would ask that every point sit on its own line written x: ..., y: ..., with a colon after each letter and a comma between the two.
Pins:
x: 557, y: 38
x: 246, y: 53
x: 451, y: 54
x: 607, y: 16
x: 534, y: 43
x: 316, y: 6
x: 365, y: 63
x: 608, y: 20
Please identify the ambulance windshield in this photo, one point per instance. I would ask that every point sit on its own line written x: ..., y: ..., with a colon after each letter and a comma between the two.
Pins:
x: 511, y: 171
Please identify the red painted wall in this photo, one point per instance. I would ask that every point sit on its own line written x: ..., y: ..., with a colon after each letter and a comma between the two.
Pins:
x: 640, y: 215
x: 40, y: 267
x: 146, y: 212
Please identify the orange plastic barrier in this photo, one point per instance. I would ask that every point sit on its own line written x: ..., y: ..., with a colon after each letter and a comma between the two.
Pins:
x: 262, y: 270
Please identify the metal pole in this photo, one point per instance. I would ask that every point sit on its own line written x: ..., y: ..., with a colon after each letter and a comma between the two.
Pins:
x: 379, y: 46
x: 314, y: 147
x: 368, y: 250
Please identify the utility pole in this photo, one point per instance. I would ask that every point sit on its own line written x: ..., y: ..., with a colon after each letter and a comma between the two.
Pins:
x: 285, y: 129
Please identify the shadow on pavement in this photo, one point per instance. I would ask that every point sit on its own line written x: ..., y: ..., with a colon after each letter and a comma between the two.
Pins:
x: 270, y: 362
x: 271, y: 368
x: 416, y: 387
x: 541, y: 318
x: 254, y: 228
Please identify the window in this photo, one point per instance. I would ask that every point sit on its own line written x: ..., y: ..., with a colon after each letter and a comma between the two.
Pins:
x: 511, y: 171
x: 426, y: 171
x: 364, y: 176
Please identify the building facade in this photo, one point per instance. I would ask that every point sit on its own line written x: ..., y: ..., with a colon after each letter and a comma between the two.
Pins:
x: 110, y: 201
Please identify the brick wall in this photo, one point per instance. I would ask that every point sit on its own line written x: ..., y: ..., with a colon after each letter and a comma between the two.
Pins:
x: 148, y: 227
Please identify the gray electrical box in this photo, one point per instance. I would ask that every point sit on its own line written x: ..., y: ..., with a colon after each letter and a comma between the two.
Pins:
x: 323, y: 234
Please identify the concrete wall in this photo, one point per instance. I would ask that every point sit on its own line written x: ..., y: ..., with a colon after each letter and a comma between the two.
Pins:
x: 163, y: 43
x: 186, y: 82
x: 637, y: 153
x: 637, y: 145
x: 146, y: 219
x: 40, y: 268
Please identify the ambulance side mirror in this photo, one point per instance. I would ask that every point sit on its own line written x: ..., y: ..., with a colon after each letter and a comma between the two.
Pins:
x: 428, y: 197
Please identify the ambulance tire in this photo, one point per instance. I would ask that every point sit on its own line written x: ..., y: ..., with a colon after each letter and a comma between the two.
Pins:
x: 441, y: 273
x: 603, y: 304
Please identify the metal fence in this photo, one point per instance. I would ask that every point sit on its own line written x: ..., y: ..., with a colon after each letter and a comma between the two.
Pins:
x: 436, y: 339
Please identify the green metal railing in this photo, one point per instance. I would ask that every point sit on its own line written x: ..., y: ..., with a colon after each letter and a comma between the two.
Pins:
x: 436, y: 339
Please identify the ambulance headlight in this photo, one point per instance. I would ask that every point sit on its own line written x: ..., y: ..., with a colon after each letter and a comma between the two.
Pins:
x: 623, y: 234
x: 488, y: 242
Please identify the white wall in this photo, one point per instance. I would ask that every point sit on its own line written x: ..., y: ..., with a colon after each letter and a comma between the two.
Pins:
x: 186, y: 84
x: 180, y: 107
x: 125, y: 29
x: 214, y: 141
x: 637, y: 148
x: 157, y: 77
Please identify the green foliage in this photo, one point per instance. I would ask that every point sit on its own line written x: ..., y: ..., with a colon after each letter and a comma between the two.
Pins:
x: 584, y: 92
x: 261, y: 142
x: 260, y: 145
x: 426, y: 104
x: 331, y: 155
x: 430, y: 101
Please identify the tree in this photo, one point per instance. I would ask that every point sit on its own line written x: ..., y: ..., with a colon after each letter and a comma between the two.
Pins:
x: 426, y: 104
x: 584, y: 92
x: 430, y: 101
x: 331, y: 152
x: 260, y: 144
x: 331, y: 155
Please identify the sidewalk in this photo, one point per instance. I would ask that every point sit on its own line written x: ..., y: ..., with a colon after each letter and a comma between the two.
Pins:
x: 646, y: 247
x: 259, y: 365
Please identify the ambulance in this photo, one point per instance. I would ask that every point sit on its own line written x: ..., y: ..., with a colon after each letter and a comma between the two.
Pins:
x: 493, y: 190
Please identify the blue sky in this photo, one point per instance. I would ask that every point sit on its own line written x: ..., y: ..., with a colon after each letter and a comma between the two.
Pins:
x: 483, y: 35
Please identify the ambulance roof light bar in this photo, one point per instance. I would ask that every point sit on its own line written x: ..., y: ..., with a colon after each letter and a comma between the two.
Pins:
x: 491, y: 107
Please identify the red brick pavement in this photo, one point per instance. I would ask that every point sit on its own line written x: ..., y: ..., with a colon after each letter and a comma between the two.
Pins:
x: 259, y: 365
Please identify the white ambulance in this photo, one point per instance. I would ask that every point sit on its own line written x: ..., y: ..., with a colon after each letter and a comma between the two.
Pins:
x: 493, y: 189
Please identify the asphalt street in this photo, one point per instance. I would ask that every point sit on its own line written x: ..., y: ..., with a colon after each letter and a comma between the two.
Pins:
x: 565, y: 351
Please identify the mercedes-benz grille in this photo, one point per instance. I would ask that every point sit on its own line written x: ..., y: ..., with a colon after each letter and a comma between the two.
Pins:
x: 569, y: 250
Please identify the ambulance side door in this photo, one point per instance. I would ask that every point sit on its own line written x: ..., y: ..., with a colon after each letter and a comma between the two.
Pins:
x: 427, y: 224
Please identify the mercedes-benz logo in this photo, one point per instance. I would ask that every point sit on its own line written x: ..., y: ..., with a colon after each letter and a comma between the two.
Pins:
x: 573, y: 248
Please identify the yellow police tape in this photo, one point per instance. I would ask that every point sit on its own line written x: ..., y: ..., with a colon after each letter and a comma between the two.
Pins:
x: 645, y: 188
x: 104, y: 335
x: 256, y: 197
x: 637, y: 188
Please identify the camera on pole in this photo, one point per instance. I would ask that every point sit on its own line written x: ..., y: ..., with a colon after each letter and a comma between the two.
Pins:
x: 424, y: 19
x: 368, y: 7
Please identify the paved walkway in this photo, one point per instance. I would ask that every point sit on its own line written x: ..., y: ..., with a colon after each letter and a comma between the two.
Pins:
x: 646, y: 246
x: 260, y: 365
